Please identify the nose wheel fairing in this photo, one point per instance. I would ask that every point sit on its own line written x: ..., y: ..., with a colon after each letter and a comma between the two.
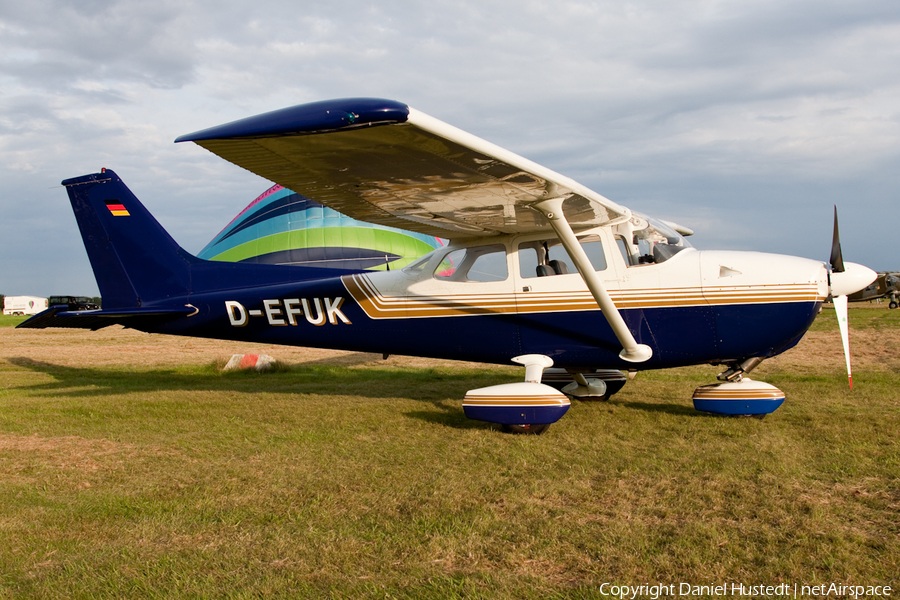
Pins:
x: 744, y: 397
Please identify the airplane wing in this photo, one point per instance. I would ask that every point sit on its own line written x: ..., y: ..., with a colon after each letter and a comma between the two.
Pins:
x: 383, y: 162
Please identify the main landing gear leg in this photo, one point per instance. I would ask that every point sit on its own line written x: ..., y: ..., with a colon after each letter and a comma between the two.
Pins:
x: 586, y: 384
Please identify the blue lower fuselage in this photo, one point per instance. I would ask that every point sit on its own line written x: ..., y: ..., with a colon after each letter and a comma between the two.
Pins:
x: 679, y: 336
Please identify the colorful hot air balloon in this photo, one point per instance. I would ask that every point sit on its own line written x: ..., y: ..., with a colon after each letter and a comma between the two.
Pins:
x: 285, y: 228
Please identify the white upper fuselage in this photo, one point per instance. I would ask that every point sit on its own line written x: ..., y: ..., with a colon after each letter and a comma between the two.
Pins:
x: 688, y: 278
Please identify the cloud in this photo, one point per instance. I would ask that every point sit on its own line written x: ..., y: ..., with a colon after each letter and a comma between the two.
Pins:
x: 59, y: 44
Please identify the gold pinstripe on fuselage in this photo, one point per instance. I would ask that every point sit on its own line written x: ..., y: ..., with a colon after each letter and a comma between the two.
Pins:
x: 378, y: 306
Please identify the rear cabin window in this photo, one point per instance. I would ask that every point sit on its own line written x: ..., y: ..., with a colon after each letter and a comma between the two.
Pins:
x: 540, y: 258
x: 481, y: 263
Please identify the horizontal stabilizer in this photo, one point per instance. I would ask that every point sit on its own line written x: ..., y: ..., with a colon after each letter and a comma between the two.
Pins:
x: 98, y: 319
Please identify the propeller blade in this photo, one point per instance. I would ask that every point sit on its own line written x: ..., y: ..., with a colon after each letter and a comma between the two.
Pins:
x: 840, y: 309
x: 837, y: 259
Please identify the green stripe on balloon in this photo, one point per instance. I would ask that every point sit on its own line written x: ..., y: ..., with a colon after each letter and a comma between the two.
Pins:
x: 332, y: 237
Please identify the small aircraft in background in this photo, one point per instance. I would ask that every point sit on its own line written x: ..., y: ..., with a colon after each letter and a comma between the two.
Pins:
x: 886, y: 285
x: 540, y: 270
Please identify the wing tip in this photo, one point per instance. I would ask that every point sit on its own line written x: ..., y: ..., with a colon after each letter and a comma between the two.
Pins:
x: 314, y: 117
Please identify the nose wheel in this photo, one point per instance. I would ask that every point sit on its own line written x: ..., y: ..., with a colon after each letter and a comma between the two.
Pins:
x: 527, y: 429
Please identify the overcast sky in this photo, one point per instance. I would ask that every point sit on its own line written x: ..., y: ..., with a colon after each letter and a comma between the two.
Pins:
x: 745, y: 120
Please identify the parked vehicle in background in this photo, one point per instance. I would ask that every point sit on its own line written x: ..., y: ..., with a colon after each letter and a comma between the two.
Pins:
x: 23, y: 305
x: 74, y: 302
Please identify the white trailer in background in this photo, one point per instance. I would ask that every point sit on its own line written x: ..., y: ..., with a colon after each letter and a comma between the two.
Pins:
x: 23, y: 305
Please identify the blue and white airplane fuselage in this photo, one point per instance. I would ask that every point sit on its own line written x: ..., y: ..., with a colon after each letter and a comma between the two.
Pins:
x: 715, y: 320
x: 475, y: 300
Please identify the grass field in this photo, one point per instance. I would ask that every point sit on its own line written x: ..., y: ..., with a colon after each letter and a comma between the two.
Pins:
x: 130, y: 466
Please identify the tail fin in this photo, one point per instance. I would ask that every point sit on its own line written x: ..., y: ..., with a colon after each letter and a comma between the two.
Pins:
x: 137, y: 263
x: 134, y: 259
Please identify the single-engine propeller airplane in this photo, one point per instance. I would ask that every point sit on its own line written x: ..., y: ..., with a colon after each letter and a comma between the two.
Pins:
x: 540, y: 270
x: 886, y: 285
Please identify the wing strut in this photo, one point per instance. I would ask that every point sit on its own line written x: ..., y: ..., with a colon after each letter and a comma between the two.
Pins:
x: 631, y: 350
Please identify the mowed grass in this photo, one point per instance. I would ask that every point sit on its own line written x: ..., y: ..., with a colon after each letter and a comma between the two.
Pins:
x: 352, y: 477
x: 10, y: 321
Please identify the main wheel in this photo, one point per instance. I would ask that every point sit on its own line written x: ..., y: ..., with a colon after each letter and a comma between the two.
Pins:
x: 527, y: 429
x: 893, y: 304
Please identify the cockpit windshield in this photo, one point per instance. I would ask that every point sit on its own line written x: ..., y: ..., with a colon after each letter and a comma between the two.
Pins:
x: 643, y: 240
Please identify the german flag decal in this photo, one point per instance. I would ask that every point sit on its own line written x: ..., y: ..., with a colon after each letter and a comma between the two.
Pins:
x: 117, y: 208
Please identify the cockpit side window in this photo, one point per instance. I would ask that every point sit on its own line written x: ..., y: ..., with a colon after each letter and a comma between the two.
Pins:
x: 481, y: 263
x: 539, y: 258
